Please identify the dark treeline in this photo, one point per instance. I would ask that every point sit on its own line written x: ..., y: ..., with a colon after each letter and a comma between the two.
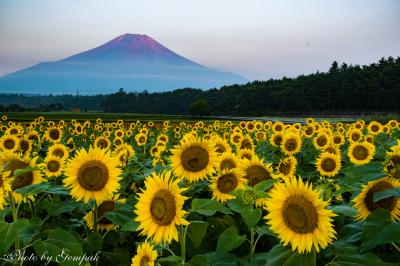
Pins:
x: 54, y: 107
x: 344, y: 89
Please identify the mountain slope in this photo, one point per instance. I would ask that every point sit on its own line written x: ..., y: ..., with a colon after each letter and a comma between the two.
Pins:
x: 131, y: 61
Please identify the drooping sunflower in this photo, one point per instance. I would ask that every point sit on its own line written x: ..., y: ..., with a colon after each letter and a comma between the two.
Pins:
x: 364, y: 202
x: 58, y: 150
x: 298, y: 215
x: 54, y: 134
x: 291, y: 143
x: 255, y: 171
x: 146, y: 255
x: 220, y: 144
x: 392, y: 164
x: 287, y: 167
x: 159, y: 208
x: 53, y: 166
x: 328, y: 164
x: 4, y: 186
x: 92, y: 174
x: 9, y: 143
x: 361, y: 153
x: 102, y: 222
x: 225, y: 182
x: 193, y: 159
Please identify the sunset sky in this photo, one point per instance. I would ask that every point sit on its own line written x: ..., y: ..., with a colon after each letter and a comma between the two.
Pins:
x: 258, y: 39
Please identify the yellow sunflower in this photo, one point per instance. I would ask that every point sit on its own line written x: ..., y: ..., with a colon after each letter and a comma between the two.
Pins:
x: 102, y: 142
x: 146, y: 255
x: 54, y: 134
x: 25, y: 145
x: 236, y: 138
x: 227, y: 161
x: 328, y: 164
x: 374, y: 128
x: 193, y: 159
x: 246, y: 154
x: 298, y: 215
x: 291, y: 144
x: 141, y: 139
x: 53, y: 166
x: 159, y: 208
x: 12, y: 162
x: 225, y: 182
x: 392, y: 164
x: 321, y: 140
x: 255, y: 171
x: 361, y: 153
x: 276, y: 139
x: 58, y: 150
x: 246, y: 143
x: 364, y: 202
x: 220, y: 144
x: 9, y: 143
x: 92, y: 174
x: 355, y: 135
x: 337, y: 139
x: 287, y: 167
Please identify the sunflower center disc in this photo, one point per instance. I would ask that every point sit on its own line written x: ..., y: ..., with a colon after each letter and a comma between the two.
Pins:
x: 300, y: 214
x: 255, y: 174
x: 236, y: 139
x: 291, y: 145
x: 360, y: 153
x: 9, y: 144
x: 309, y: 131
x: 220, y: 148
x: 102, y: 144
x: 322, y: 141
x: 195, y: 159
x: 374, y: 128
x: 278, y: 140
x: 246, y: 145
x: 337, y: 140
x: 227, y: 164
x: 1, y: 181
x: 163, y: 208
x: 144, y: 261
x: 105, y: 207
x: 58, y: 152
x: 387, y: 203
x: 328, y: 165
x: 53, y: 166
x: 13, y: 131
x: 284, y: 168
x: 54, y: 134
x: 93, y: 175
x: 24, y: 145
x: 227, y: 183
x: 355, y: 136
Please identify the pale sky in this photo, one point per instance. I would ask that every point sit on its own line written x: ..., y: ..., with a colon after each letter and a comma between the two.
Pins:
x: 259, y: 39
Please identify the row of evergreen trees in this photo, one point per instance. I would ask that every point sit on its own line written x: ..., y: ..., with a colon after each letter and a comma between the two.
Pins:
x: 344, y: 89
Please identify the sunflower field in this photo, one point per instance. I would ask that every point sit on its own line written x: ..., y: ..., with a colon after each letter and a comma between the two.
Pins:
x: 199, y: 193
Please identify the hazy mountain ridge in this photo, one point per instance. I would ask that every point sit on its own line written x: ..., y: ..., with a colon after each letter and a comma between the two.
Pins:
x: 131, y: 61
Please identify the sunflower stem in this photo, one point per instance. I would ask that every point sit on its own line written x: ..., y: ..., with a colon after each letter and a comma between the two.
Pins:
x: 182, y: 241
x: 251, y: 242
x: 396, y: 247
x: 15, y: 216
x: 95, y: 217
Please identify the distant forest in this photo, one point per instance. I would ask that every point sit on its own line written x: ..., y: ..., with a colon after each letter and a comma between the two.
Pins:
x: 344, y: 89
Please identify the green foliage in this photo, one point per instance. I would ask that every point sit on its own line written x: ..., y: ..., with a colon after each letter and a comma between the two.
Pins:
x: 200, y: 107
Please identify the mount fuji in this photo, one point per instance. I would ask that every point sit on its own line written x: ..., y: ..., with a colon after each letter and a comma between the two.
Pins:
x: 133, y: 62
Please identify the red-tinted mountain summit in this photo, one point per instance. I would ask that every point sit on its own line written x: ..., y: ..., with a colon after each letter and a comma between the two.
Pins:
x: 134, y: 62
